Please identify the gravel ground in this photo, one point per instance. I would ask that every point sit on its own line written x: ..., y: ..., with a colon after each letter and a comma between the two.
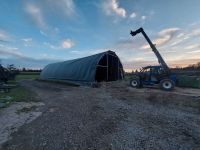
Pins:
x: 16, y: 115
x: 113, y: 116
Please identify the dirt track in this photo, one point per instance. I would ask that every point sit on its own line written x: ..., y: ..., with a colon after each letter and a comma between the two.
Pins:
x: 114, y: 116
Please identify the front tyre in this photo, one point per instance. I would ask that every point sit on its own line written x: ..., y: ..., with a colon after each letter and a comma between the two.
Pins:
x: 167, y: 84
x: 135, y: 83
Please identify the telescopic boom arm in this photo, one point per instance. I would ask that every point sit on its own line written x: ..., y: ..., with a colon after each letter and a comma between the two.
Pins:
x: 159, y: 57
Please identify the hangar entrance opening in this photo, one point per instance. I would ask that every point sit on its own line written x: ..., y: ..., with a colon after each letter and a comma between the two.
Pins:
x: 109, y: 68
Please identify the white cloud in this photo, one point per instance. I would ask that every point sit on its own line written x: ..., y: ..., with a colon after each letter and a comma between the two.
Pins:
x: 112, y: 6
x: 84, y: 53
x: 180, y: 35
x: 10, y: 51
x: 133, y: 15
x: 36, y: 15
x: 165, y: 36
x: 13, y: 55
x: 4, y: 36
x: 143, y: 18
x: 50, y: 45
x: 66, y: 7
x: 61, y: 7
x: 38, y: 11
x: 43, y: 33
x: 194, y: 46
x: 168, y: 31
x: 186, y: 35
x: 75, y: 51
x: 192, y: 52
x: 27, y: 39
x: 67, y: 43
x: 195, y: 32
x: 8, y: 47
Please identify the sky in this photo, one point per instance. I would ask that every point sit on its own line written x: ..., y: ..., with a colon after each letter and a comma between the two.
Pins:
x: 34, y: 33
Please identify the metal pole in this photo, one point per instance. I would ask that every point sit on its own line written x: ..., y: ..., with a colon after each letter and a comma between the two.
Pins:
x: 107, y: 65
x: 118, y: 70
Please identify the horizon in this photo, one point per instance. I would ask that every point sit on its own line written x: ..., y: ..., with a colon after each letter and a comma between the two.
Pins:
x: 36, y: 33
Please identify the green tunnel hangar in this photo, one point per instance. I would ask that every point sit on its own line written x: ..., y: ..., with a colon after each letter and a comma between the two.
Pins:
x: 105, y: 66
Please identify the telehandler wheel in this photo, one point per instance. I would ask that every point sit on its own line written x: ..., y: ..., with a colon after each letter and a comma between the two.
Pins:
x: 135, y: 83
x: 167, y: 84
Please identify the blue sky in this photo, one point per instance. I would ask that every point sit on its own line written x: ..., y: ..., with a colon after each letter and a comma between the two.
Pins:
x: 34, y: 33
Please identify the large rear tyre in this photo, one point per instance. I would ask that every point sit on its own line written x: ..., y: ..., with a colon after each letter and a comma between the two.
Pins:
x: 135, y: 83
x: 167, y: 84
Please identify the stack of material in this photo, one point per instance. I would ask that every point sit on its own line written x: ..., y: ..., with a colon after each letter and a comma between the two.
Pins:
x: 189, y: 81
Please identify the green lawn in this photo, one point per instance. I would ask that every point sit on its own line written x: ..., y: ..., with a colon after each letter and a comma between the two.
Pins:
x: 26, y: 76
x: 17, y: 92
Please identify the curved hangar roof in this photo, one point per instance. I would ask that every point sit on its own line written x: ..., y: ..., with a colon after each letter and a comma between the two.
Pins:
x: 104, y: 66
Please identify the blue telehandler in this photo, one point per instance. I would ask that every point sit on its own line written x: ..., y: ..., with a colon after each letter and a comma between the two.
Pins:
x: 151, y: 75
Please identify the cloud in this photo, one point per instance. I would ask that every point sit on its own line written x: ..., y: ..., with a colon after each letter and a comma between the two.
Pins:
x: 112, y: 6
x: 18, y: 58
x: 132, y: 57
x: 4, y: 36
x: 143, y: 18
x: 168, y: 31
x: 51, y: 46
x: 43, y: 33
x: 67, y: 43
x: 186, y: 35
x: 178, y: 46
x: 64, y: 7
x: 64, y: 44
x: 195, y: 32
x: 36, y: 15
x: 193, y: 46
x: 193, y: 52
x: 27, y: 39
x: 10, y: 51
x: 75, y: 52
x: 85, y: 53
x: 133, y: 15
x: 165, y: 36
x: 37, y: 10
x: 183, y: 62
x: 136, y: 64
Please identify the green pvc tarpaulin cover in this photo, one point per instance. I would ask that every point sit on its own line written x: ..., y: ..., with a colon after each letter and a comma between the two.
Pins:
x: 188, y: 81
x: 85, y: 69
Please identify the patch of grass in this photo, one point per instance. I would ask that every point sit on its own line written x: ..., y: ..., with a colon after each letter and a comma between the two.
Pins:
x: 59, y: 82
x: 30, y: 73
x: 26, y: 76
x: 12, y: 82
x: 17, y: 94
